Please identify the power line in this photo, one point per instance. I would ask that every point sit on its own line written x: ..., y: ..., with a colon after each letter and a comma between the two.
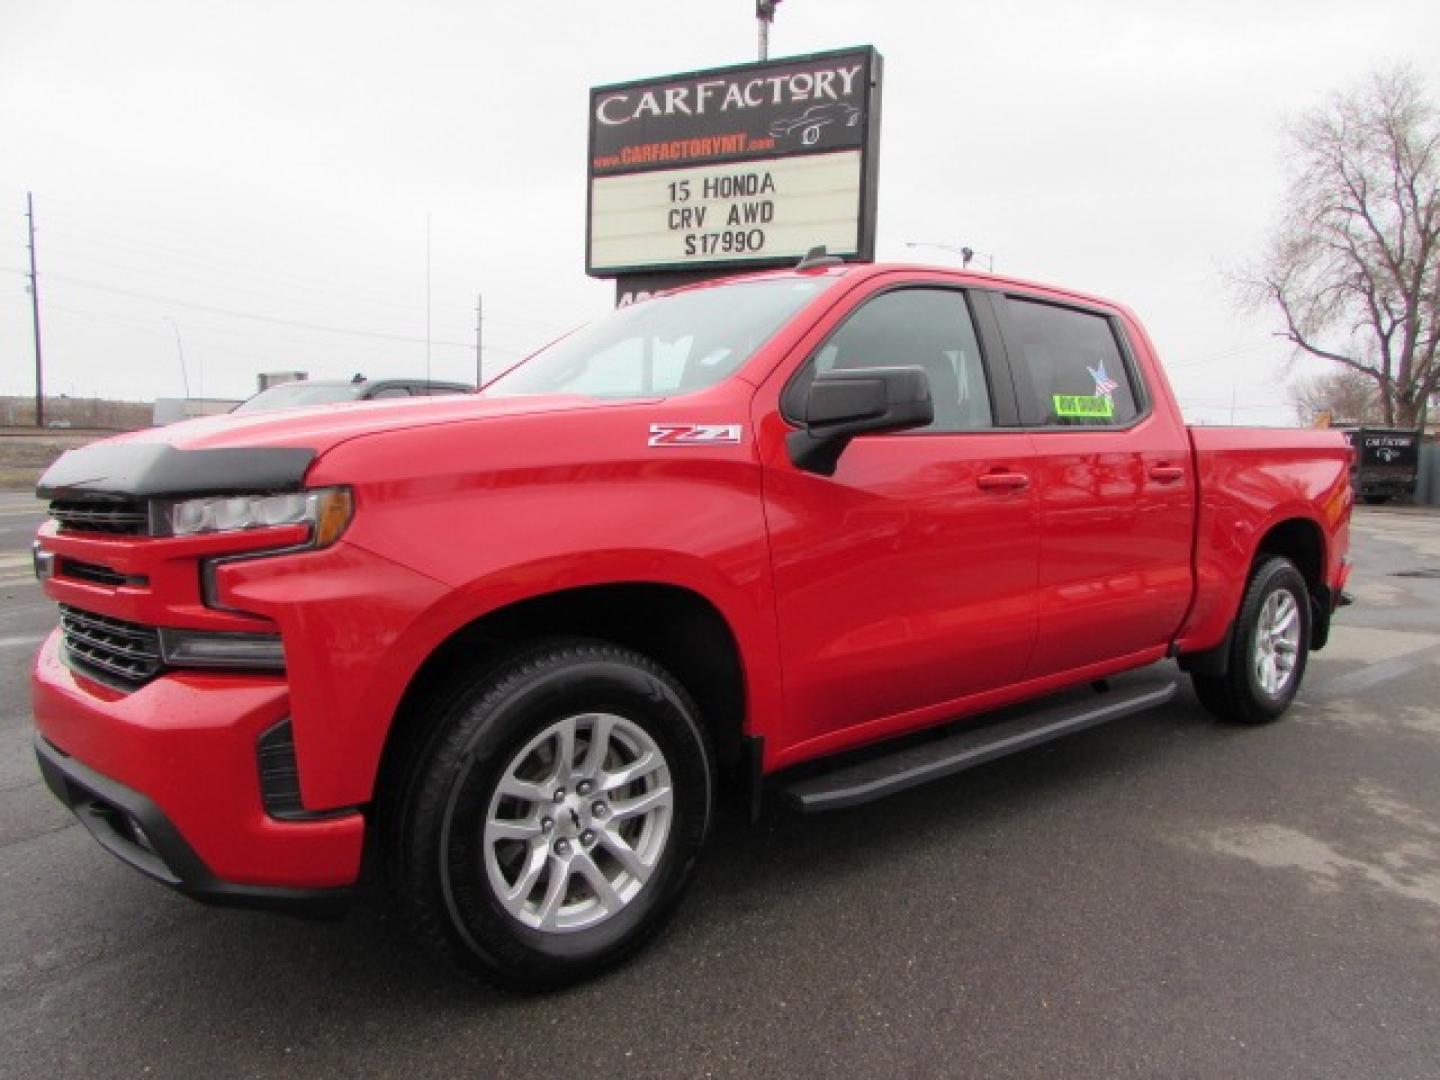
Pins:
x: 286, y: 285
x: 266, y: 351
x: 255, y: 358
x: 118, y: 320
x: 267, y: 271
x: 277, y: 320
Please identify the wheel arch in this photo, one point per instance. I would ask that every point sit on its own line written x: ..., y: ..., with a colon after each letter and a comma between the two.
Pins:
x: 1301, y: 539
x: 674, y: 625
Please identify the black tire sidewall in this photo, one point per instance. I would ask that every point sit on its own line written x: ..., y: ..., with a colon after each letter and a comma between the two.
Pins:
x: 1274, y: 575
x: 499, y: 727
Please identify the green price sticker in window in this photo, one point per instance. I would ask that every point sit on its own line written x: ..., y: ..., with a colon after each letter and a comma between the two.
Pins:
x: 1083, y: 406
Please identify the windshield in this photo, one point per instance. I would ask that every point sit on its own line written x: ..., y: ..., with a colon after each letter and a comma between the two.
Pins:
x: 664, y: 346
x: 290, y: 395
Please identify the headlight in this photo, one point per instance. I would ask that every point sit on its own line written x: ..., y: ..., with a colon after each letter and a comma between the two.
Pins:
x: 326, y: 510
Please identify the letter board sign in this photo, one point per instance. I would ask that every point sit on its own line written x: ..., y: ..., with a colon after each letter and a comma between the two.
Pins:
x: 735, y: 168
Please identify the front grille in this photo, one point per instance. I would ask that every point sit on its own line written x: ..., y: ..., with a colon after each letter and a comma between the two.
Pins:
x: 99, y: 575
x: 118, y: 651
x: 113, y: 516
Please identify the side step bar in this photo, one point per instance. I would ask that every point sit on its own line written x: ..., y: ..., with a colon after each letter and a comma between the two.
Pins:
x: 851, y: 785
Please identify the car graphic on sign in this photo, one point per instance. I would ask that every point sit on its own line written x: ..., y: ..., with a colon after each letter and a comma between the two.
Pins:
x: 810, y: 123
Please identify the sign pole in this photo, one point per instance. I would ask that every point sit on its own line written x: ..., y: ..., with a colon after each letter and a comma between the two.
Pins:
x: 765, y: 15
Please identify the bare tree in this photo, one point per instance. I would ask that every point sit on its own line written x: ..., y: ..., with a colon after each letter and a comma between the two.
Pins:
x: 1345, y: 396
x: 1354, y: 266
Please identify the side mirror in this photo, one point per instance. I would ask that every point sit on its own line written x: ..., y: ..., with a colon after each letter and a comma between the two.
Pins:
x: 842, y: 404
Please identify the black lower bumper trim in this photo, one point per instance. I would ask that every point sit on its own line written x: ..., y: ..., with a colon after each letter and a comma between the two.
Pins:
x: 136, y: 831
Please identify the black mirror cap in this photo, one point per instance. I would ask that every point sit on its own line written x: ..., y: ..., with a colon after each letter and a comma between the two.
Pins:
x: 856, y: 401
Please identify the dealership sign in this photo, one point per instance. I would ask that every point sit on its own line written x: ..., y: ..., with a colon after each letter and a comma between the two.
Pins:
x: 735, y: 168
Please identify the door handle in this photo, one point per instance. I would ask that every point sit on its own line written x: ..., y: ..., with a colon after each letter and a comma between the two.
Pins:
x: 1166, y: 473
x: 1003, y: 481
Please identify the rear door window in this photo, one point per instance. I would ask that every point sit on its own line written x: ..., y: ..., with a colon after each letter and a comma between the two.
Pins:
x: 1075, y: 365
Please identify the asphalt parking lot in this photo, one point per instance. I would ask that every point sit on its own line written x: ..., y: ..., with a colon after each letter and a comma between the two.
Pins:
x: 1161, y: 896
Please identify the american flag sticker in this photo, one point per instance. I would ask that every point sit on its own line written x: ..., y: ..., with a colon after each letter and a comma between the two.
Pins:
x: 1105, y: 386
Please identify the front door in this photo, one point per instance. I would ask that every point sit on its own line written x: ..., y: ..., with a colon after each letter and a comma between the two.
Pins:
x: 907, y: 579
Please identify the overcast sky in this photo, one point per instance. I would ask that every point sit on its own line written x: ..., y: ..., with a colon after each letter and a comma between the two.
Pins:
x: 255, y: 178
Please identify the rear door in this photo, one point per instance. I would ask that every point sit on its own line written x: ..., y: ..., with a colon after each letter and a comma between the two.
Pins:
x: 906, y: 579
x: 1115, y: 494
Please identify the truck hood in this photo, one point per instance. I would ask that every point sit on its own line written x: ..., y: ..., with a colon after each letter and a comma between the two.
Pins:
x: 266, y: 451
x: 319, y: 427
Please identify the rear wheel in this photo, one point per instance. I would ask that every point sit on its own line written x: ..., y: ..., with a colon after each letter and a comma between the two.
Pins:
x: 555, y: 816
x: 1268, y: 648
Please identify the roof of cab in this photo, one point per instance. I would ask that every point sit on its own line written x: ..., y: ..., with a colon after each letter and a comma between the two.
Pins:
x: 863, y: 271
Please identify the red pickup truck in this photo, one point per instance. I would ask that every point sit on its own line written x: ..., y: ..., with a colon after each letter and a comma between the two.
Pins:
x: 516, y: 644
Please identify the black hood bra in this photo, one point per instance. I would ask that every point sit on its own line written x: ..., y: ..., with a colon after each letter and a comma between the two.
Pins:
x: 158, y: 470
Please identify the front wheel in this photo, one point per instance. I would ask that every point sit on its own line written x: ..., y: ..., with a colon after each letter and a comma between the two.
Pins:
x: 555, y: 816
x: 1268, y: 648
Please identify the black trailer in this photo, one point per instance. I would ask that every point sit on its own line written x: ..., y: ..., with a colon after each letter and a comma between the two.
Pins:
x: 1387, y: 462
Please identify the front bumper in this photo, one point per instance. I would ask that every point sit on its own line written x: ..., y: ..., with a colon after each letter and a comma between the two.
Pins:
x: 177, y: 758
x: 136, y: 831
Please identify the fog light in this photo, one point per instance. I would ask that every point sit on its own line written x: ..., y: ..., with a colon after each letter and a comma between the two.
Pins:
x: 212, y: 649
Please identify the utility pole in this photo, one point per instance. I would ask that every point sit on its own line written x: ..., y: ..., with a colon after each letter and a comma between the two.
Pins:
x: 35, y: 311
x: 765, y: 15
x: 427, y: 298
x: 479, y: 361
x: 180, y: 348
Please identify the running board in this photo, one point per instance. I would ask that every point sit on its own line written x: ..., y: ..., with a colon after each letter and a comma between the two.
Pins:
x: 851, y: 785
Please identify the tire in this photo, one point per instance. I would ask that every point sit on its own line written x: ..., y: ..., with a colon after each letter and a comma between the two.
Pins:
x: 550, y: 881
x: 1257, y: 687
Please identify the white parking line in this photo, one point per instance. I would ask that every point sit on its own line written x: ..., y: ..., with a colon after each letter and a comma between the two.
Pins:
x: 25, y: 641
x: 1372, y: 675
x: 1376, y: 672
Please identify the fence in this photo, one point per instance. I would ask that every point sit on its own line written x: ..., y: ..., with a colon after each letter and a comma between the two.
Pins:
x: 71, y: 412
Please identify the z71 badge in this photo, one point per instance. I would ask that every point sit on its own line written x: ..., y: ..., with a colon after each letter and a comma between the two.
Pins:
x: 693, y: 434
